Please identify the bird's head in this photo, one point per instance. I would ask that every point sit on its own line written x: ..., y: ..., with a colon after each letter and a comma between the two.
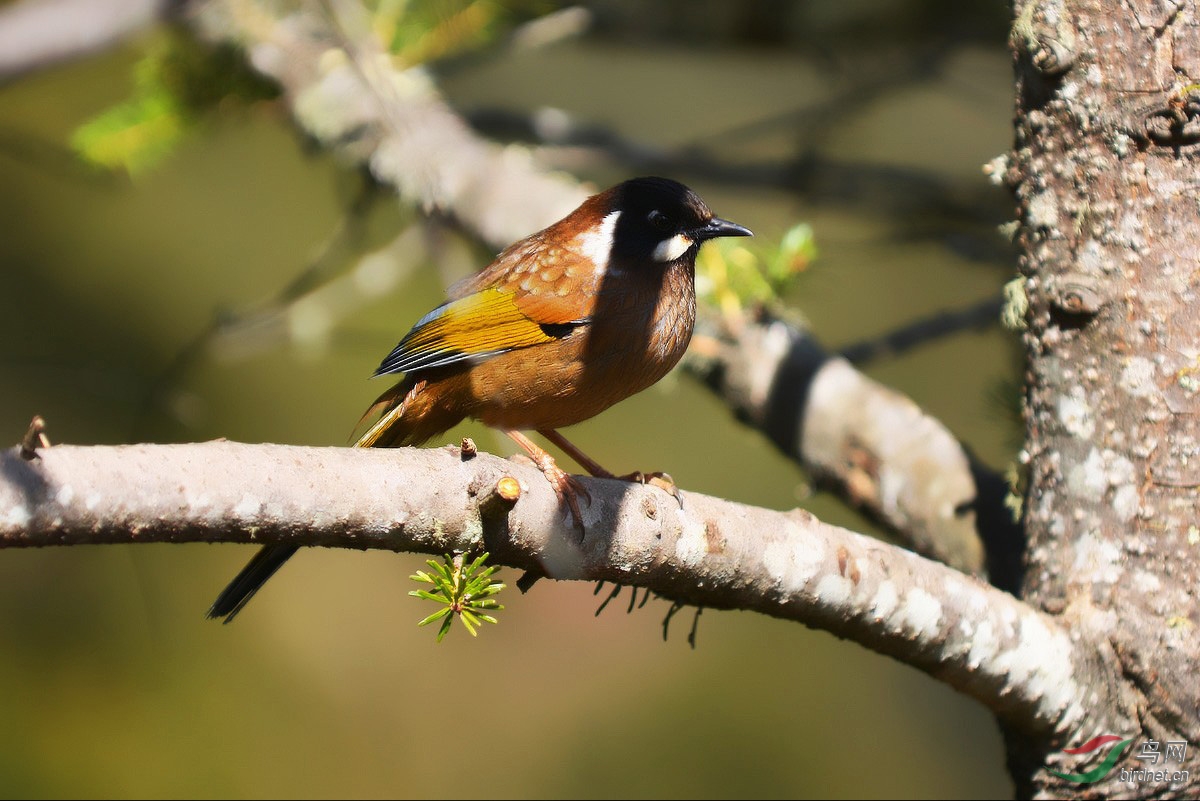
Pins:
x: 653, y: 220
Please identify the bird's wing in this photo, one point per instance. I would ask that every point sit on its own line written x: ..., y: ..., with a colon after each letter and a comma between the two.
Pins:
x: 472, y: 328
x: 527, y: 296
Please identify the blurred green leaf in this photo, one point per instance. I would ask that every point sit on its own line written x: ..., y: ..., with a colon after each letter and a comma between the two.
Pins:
x: 420, y: 31
x: 737, y: 273
x: 176, y: 84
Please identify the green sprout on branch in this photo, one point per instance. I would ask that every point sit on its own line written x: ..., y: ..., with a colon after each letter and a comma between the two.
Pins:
x: 464, y: 590
x: 736, y: 275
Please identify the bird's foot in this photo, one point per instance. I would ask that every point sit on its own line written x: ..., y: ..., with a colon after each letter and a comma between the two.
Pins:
x: 569, y: 491
x: 656, y: 479
x: 565, y: 486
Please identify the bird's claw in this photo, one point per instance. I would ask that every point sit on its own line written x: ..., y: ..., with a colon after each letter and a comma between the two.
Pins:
x: 569, y: 491
x: 656, y: 479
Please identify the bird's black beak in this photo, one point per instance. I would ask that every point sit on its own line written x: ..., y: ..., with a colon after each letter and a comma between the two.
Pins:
x: 717, y: 227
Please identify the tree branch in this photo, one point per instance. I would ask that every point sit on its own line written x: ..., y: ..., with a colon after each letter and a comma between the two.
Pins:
x: 347, y: 93
x: 35, y: 34
x: 873, y: 445
x: 710, y: 552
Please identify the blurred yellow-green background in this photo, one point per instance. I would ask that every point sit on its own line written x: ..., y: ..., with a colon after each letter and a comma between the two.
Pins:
x: 877, y: 119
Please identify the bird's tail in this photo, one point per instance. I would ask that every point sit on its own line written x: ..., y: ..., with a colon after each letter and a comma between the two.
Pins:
x: 408, y: 415
x: 256, y: 572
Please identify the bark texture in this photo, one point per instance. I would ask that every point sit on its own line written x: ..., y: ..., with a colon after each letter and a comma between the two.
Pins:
x: 1106, y: 169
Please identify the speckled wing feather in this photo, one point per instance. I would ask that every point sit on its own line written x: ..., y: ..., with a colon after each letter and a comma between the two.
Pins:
x: 477, y: 326
x: 519, y: 301
x: 483, y: 324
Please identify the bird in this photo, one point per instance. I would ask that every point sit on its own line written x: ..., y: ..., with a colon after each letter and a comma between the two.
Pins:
x: 560, y: 326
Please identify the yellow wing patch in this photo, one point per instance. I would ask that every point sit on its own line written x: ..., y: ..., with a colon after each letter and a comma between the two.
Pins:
x: 486, y: 322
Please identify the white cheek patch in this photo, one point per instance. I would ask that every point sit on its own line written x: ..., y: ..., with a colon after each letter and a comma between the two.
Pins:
x: 596, y: 243
x: 671, y: 249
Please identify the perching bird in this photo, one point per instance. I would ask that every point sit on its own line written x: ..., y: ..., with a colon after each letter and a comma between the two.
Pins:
x: 562, y: 325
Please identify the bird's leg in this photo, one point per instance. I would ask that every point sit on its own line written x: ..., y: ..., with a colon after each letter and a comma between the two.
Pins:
x: 658, y: 479
x: 567, y: 488
x: 570, y: 449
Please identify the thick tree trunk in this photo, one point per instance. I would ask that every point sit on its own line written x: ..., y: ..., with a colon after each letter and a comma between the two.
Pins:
x: 1106, y: 169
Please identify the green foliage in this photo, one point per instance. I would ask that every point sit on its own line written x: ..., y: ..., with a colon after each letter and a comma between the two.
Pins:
x: 738, y: 273
x: 418, y: 31
x: 464, y: 590
x: 181, y: 80
x: 175, y: 84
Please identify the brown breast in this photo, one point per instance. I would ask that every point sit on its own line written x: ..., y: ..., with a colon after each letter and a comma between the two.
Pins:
x: 639, y: 328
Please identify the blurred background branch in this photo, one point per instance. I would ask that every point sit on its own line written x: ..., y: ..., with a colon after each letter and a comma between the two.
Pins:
x: 346, y: 91
x: 871, y: 445
x: 36, y: 34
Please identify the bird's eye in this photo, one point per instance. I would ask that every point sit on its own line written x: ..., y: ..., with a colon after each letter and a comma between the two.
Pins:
x: 659, y: 220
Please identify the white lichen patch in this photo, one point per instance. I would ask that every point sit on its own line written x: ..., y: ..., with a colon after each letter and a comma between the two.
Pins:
x: 65, y: 494
x: 1092, y: 258
x: 996, y: 168
x: 248, y: 506
x: 885, y: 600
x: 1120, y: 469
x: 954, y: 590
x: 920, y: 612
x: 1146, y: 583
x: 967, y: 598
x: 793, y: 562
x: 17, y: 516
x: 1008, y: 617
x: 1122, y: 144
x: 1040, y: 661
x: 1126, y: 502
x: 1137, y: 378
x: 1100, y: 471
x: 1097, y: 561
x: 196, y: 501
x: 1087, y: 480
x: 1095, y: 475
x: 1076, y: 415
x: 473, y: 529
x: 1043, y: 211
x: 834, y: 590
x: 984, y: 645
x: 1130, y: 229
x: 775, y: 560
x: 692, y: 545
